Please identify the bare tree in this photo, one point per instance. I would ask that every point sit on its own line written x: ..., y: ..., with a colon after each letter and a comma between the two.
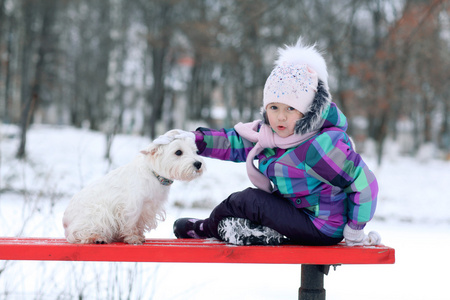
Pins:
x: 158, y: 17
x: 10, y: 36
x: 29, y: 11
x: 115, y: 107
x: 386, y: 60
x: 201, y: 28
x: 2, y: 30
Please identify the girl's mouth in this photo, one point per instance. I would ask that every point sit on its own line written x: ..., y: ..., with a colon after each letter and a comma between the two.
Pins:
x: 281, y: 127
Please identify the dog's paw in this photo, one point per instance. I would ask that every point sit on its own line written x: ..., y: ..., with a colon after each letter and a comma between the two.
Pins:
x: 134, y: 239
x: 96, y: 239
x: 100, y: 242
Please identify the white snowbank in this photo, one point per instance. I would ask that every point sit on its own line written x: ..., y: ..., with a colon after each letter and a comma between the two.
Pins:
x: 413, y: 216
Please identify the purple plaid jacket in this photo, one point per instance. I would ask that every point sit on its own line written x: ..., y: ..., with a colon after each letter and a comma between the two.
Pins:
x: 323, y: 176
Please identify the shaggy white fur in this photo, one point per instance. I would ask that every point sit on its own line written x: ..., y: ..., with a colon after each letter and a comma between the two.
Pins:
x: 130, y: 200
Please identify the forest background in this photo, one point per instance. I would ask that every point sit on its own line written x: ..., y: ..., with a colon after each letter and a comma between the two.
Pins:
x: 143, y: 67
x: 85, y: 84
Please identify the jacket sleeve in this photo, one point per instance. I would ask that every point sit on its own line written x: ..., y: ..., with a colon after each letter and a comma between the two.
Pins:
x: 224, y: 144
x: 331, y: 159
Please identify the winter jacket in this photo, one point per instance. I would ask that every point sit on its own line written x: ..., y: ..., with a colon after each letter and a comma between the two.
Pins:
x: 323, y: 176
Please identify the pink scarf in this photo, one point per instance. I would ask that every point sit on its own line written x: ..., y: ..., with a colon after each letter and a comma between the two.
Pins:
x: 265, y: 138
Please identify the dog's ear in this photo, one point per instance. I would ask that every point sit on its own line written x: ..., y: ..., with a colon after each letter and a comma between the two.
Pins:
x: 152, y: 149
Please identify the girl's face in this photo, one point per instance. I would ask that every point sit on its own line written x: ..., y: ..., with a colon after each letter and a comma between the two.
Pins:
x: 282, y: 118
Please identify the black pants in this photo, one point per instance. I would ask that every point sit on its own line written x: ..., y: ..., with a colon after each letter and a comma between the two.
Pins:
x: 269, y: 210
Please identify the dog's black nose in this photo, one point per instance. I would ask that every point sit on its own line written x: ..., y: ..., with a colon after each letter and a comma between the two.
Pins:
x: 198, y: 165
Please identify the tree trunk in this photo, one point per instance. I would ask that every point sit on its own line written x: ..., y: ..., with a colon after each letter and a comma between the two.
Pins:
x: 8, y: 73
x: 160, y: 32
x: 158, y: 91
x: 27, y: 100
x: 33, y: 94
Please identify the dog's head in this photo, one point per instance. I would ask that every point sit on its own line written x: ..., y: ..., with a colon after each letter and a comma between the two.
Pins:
x: 177, y: 159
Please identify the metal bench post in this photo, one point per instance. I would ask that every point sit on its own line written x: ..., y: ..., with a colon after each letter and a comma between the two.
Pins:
x: 311, y: 287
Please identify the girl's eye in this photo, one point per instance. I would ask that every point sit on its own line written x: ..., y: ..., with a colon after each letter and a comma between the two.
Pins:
x: 179, y: 153
x: 273, y: 107
x: 290, y: 108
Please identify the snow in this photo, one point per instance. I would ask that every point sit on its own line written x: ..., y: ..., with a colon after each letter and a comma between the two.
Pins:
x: 413, y: 216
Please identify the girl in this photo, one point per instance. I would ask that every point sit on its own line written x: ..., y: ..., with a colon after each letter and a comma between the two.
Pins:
x: 312, y: 188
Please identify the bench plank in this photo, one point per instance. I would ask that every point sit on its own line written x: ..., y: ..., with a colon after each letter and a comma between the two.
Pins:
x: 191, y: 251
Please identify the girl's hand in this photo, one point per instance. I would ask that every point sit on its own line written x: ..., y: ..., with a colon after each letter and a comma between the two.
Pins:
x: 185, y: 134
x: 172, y: 135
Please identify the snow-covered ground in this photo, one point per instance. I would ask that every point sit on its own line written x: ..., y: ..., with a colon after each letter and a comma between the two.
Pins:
x: 413, y: 216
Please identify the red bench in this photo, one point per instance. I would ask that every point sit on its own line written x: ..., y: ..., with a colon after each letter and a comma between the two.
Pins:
x: 315, y: 261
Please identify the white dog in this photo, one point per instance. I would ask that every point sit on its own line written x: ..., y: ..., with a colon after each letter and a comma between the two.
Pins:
x: 130, y: 200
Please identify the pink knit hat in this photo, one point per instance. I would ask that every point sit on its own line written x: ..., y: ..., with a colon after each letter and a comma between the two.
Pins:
x: 294, y: 79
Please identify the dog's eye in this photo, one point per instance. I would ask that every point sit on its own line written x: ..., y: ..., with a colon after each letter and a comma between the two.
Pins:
x: 179, y: 153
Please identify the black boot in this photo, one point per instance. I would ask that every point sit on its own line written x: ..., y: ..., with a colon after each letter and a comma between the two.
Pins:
x: 188, y: 228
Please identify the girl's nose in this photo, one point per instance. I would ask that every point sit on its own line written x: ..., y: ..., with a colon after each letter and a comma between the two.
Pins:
x: 281, y: 116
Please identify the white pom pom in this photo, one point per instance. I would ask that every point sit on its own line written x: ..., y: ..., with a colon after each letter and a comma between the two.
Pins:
x: 300, y: 54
